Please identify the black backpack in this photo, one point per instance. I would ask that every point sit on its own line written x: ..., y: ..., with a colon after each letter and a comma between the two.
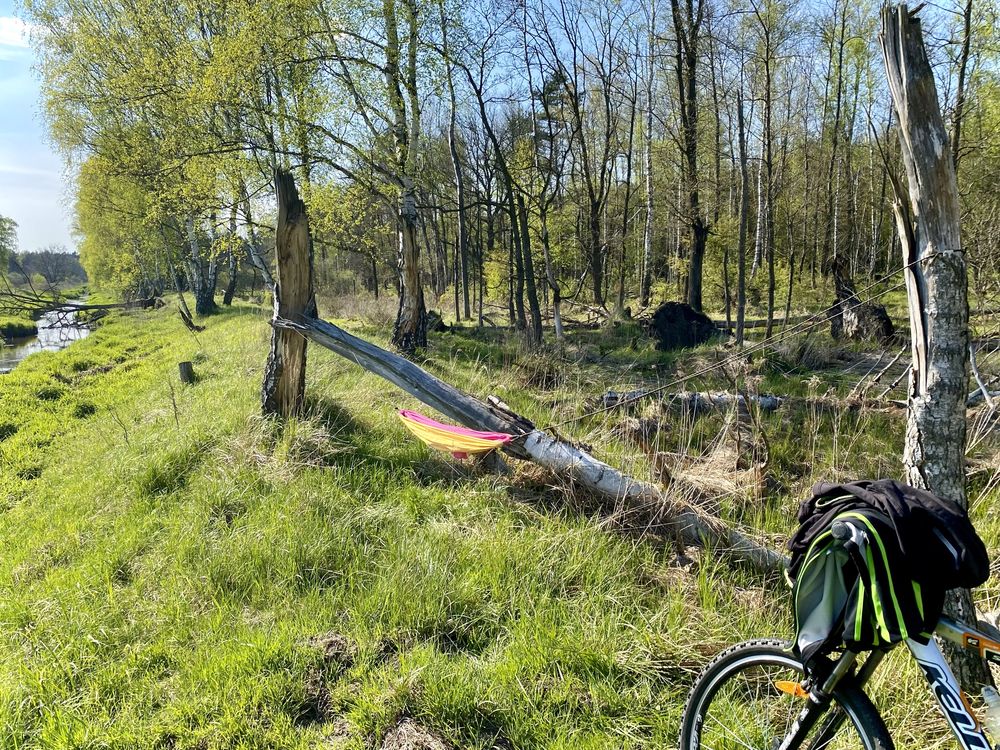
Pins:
x: 917, y: 547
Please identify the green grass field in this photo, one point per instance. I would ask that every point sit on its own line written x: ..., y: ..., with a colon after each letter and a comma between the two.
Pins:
x: 178, y: 572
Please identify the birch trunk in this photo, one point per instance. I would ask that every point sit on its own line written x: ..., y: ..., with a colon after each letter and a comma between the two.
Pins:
x: 201, y: 277
x: 928, y: 222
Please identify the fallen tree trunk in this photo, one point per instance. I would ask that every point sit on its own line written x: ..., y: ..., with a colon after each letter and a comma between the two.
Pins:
x: 762, y: 322
x: 698, y: 402
x: 693, y: 401
x: 567, y: 461
x: 16, y: 302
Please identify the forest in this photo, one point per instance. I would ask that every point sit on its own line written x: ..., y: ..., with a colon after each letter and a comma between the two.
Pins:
x: 674, y: 264
x: 501, y: 162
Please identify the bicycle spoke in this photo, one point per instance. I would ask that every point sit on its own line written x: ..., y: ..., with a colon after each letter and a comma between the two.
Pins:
x: 741, y: 703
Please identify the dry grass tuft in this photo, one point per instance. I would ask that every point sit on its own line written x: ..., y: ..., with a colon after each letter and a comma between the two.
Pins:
x: 409, y: 735
x: 283, y: 452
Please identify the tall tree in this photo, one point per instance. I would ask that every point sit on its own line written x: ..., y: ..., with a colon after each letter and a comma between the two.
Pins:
x: 688, y: 17
x: 928, y: 220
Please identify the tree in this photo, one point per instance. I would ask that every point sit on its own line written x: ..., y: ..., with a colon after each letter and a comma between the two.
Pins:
x: 8, y: 239
x: 53, y: 263
x: 928, y: 221
x: 688, y: 16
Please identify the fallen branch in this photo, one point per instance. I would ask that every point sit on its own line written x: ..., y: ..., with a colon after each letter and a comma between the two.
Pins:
x: 190, y: 324
x: 691, y: 401
x: 14, y: 302
x: 762, y: 322
x: 569, y: 462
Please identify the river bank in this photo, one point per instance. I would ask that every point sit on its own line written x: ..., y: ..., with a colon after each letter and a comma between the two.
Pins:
x: 177, y: 571
x: 54, y: 330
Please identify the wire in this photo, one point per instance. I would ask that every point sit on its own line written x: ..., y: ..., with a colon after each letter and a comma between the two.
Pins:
x: 805, y: 325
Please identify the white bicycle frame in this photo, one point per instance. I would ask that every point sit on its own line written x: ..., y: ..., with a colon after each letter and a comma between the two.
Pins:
x: 961, y: 719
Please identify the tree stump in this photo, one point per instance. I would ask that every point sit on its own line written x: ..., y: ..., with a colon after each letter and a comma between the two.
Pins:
x: 679, y: 326
x: 186, y: 370
x: 283, y: 391
x: 853, y: 319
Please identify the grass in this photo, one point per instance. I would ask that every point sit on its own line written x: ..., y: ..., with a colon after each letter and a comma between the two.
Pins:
x: 16, y: 328
x: 179, y: 572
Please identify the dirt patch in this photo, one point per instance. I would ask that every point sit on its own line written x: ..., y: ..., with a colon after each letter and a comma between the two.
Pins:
x: 338, y: 653
x: 338, y: 650
x: 409, y: 735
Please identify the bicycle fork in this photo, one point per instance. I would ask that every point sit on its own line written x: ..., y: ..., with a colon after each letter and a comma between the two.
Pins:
x: 963, y: 722
x: 819, y: 700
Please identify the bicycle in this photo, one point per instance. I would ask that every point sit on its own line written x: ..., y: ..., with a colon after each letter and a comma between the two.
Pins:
x: 757, y: 695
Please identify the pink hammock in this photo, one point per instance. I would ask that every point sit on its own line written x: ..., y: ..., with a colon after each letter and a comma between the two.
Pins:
x: 461, y: 442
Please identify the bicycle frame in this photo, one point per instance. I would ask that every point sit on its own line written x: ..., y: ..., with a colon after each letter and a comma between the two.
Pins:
x: 961, y: 719
x: 963, y: 722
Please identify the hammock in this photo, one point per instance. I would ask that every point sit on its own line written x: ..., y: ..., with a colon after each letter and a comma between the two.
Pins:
x: 459, y: 441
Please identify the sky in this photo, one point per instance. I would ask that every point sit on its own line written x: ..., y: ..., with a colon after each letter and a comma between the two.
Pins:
x: 32, y: 189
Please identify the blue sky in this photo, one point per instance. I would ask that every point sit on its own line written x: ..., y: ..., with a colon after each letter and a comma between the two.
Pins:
x: 32, y: 189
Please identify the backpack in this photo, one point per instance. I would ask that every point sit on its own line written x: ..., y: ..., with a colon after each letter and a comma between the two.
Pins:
x: 918, y: 547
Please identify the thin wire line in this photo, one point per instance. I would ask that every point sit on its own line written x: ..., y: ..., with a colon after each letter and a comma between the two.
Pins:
x: 807, y: 324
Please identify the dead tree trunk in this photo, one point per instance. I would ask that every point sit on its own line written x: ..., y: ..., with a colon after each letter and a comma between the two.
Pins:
x: 285, y: 375
x: 647, y: 238
x: 741, y: 247
x: 928, y: 222
x: 625, y: 494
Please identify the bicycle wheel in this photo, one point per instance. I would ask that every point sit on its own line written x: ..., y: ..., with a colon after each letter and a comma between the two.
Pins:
x: 744, y: 701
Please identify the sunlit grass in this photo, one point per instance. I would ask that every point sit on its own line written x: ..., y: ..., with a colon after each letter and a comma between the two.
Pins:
x: 168, y: 558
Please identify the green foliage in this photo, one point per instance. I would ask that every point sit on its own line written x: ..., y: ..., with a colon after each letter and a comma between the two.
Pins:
x: 8, y: 240
x: 16, y: 328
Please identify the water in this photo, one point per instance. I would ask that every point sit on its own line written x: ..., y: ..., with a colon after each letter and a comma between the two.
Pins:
x: 53, y: 335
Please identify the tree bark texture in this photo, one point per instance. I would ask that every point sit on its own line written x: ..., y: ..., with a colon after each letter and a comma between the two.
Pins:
x: 283, y: 391
x: 201, y: 275
x: 928, y: 222
x: 410, y: 331
x: 687, y: 19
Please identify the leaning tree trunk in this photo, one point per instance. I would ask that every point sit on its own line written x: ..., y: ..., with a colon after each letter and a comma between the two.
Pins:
x: 928, y: 222
x: 623, y: 495
x: 284, y: 386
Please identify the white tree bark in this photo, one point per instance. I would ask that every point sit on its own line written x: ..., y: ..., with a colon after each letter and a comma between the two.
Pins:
x: 928, y: 222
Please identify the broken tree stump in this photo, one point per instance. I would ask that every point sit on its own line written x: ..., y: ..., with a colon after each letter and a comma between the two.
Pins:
x: 283, y: 391
x: 678, y: 326
x: 851, y: 318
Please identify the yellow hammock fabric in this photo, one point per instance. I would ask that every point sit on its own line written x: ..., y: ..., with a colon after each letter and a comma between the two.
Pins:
x: 461, y: 442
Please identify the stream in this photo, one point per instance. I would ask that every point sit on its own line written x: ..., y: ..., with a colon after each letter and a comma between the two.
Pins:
x: 52, y: 336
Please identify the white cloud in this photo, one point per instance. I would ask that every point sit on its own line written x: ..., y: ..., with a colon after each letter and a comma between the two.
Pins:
x: 13, y: 32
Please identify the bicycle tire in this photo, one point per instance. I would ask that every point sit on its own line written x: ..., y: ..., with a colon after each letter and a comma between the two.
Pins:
x: 752, y: 658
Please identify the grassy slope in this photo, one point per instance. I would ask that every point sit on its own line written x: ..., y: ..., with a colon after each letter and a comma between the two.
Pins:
x: 173, y: 566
